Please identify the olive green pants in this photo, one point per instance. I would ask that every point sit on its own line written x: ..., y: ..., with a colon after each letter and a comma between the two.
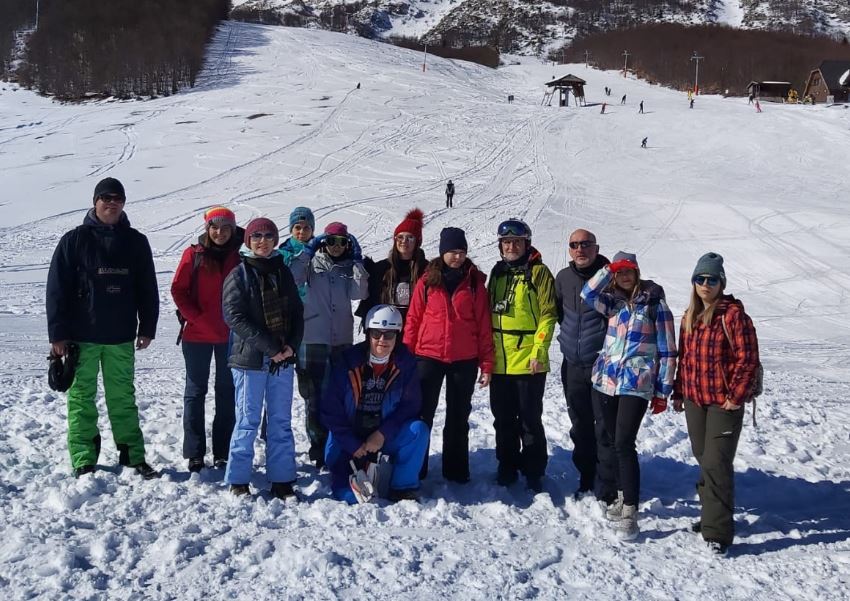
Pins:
x: 118, y: 364
x: 714, y: 434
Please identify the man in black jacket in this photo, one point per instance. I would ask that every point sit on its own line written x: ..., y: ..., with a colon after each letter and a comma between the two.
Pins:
x: 582, y: 333
x: 102, y: 295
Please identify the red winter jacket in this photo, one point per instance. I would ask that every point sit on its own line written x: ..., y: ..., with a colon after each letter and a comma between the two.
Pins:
x: 202, y: 311
x: 709, y: 368
x: 452, y: 329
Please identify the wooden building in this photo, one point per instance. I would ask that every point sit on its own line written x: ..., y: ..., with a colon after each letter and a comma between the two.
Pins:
x: 565, y: 85
x: 826, y: 81
x: 773, y: 91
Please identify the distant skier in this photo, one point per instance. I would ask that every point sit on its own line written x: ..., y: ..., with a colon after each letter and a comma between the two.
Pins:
x: 604, y: 104
x: 641, y: 108
x: 450, y: 194
x: 758, y: 106
x: 643, y: 143
x: 358, y: 85
x: 752, y: 98
x: 692, y: 103
x: 623, y: 99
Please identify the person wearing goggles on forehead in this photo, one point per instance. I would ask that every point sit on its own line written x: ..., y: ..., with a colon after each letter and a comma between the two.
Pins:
x: 331, y: 268
x: 263, y: 309
x: 582, y: 332
x: 391, y: 280
x: 102, y: 295
x: 372, y: 404
x: 635, y: 369
x: 448, y: 328
x: 718, y: 365
x: 523, y: 312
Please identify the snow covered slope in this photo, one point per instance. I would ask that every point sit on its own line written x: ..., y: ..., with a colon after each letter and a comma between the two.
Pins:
x: 276, y: 121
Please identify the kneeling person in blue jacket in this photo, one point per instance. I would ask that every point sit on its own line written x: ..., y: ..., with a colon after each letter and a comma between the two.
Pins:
x: 372, y: 404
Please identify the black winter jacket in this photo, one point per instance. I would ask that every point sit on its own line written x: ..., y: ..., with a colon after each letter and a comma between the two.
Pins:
x: 101, y: 287
x: 377, y: 271
x: 242, y: 304
x: 582, y: 329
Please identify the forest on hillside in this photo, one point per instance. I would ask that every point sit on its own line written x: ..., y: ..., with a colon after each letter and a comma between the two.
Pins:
x: 118, y: 48
x: 732, y: 58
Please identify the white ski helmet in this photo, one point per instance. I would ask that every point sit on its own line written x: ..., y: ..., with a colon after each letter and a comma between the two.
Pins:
x: 384, y: 317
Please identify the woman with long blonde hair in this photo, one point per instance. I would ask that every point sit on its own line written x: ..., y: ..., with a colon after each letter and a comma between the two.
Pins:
x: 718, y: 363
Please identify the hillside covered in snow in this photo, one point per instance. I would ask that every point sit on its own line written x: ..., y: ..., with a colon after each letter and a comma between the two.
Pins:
x: 276, y: 120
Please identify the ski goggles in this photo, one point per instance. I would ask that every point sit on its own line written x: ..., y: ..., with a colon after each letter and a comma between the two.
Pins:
x: 706, y: 280
x: 512, y: 228
x: 385, y: 334
x: 576, y: 244
x: 336, y: 241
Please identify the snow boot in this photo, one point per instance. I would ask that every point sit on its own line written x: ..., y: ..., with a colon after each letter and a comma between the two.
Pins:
x: 405, y: 494
x: 82, y: 470
x: 615, y: 509
x: 627, y: 526
x: 362, y: 483
x: 220, y: 464
x: 240, y: 490
x: 696, y: 526
x: 196, y: 464
x: 283, y: 490
x: 535, y: 484
x: 146, y: 471
x: 717, y: 548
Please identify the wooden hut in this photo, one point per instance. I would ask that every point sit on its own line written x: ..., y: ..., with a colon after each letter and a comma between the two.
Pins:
x: 826, y: 81
x: 565, y: 85
x: 771, y: 91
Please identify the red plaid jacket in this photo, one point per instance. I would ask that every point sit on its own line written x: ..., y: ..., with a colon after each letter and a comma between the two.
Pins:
x: 710, y: 369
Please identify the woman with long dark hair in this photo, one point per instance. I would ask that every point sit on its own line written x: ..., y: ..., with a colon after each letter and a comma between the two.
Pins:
x: 448, y: 329
x: 391, y: 280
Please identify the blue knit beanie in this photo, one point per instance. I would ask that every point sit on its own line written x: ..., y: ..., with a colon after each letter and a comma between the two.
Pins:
x: 299, y: 214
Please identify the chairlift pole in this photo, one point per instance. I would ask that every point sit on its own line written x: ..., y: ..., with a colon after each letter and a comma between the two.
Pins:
x: 626, y: 54
x: 587, y: 54
x: 36, y: 14
x: 696, y: 59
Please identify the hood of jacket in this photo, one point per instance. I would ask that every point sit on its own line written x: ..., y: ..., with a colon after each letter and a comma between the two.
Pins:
x: 91, y: 220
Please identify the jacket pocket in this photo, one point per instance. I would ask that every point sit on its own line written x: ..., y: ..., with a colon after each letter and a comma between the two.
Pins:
x: 638, y: 375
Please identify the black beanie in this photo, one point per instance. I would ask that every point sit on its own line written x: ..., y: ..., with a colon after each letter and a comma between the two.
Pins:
x: 108, y: 185
x: 452, y: 238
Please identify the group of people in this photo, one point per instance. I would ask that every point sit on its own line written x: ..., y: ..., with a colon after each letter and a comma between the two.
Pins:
x: 270, y: 313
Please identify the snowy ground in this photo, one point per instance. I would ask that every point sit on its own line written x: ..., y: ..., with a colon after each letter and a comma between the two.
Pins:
x: 276, y: 121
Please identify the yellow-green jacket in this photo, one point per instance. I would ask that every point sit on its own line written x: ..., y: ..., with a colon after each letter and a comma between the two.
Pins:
x: 523, y: 312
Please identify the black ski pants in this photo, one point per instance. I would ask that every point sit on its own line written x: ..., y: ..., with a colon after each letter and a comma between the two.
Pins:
x: 460, y: 379
x: 517, y: 405
x: 449, y: 198
x: 618, y: 467
x: 714, y: 434
x: 579, y: 394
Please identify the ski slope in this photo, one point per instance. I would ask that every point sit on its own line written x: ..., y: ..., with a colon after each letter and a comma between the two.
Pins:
x: 274, y: 122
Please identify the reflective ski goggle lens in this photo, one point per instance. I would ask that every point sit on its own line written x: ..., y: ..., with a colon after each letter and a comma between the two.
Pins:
x: 702, y: 280
x: 336, y: 241
x: 512, y: 228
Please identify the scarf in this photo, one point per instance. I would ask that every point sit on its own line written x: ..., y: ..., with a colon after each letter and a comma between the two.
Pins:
x: 275, y: 303
x: 452, y: 278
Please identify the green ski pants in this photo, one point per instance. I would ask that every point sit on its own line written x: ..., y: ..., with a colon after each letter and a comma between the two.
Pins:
x: 118, y: 363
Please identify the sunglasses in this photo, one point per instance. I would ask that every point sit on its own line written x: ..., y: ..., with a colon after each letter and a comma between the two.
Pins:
x: 336, y: 241
x: 405, y: 238
x: 263, y: 235
x: 582, y: 244
x: 111, y: 198
x: 702, y: 280
x: 385, y: 334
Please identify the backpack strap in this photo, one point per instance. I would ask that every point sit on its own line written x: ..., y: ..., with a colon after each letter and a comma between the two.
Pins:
x: 729, y: 338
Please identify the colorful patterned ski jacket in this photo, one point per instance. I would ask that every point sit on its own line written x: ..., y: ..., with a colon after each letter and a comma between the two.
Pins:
x: 523, y: 313
x: 710, y: 368
x: 639, y: 354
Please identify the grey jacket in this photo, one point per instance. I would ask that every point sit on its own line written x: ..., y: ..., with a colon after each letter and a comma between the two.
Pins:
x: 331, y: 286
